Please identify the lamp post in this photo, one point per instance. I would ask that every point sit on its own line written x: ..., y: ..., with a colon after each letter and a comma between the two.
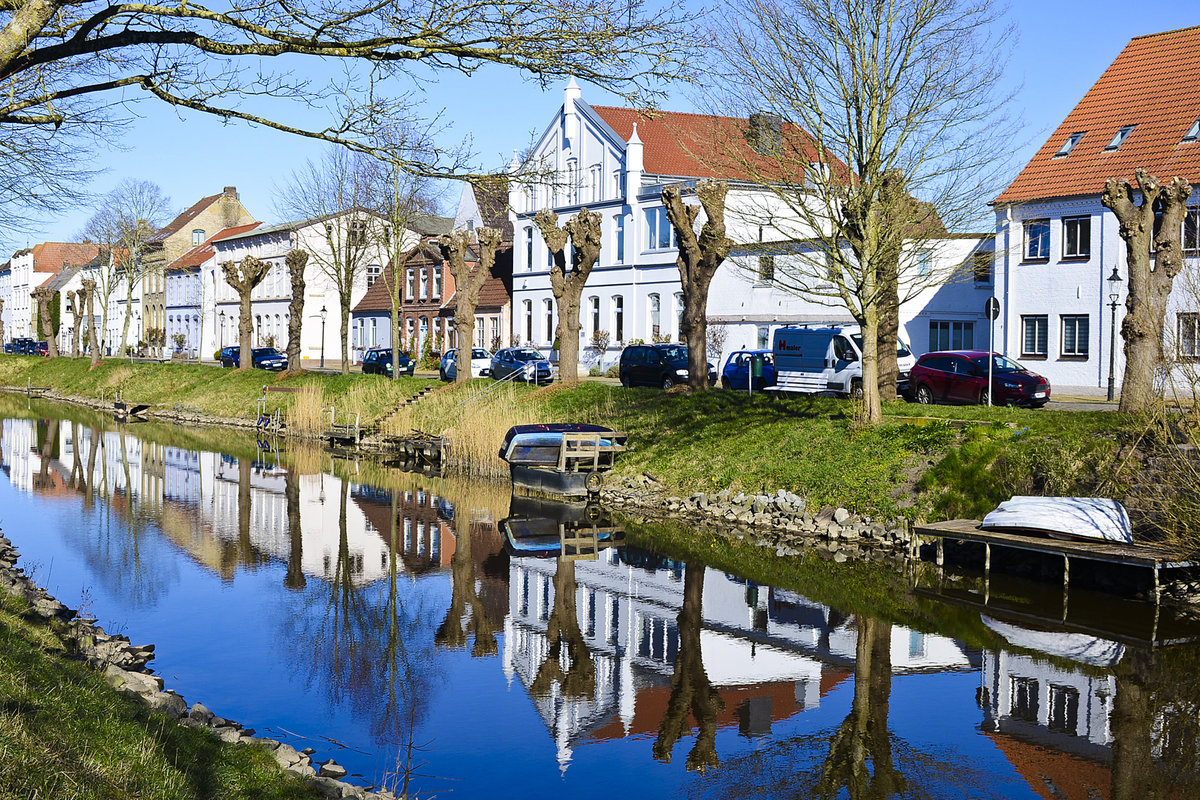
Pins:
x: 323, y: 315
x: 221, y: 332
x: 1114, y: 292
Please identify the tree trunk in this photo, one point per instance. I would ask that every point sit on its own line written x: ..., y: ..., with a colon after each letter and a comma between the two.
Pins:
x: 889, y: 331
x: 77, y: 310
x: 1132, y: 724
x: 344, y: 308
x: 1153, y: 262
x: 294, y: 578
x: 1, y: 320
x: 43, y: 298
x: 243, y: 279
x: 872, y: 411
x: 584, y: 231
x: 128, y: 313
x: 467, y: 285
x: 89, y: 287
x: 579, y: 677
x: 296, y: 261
x: 698, y: 260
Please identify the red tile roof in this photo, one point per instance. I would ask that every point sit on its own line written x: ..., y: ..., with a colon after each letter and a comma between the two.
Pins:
x: 707, y: 146
x: 53, y: 256
x: 175, y: 225
x: 203, y: 252
x: 1152, y: 84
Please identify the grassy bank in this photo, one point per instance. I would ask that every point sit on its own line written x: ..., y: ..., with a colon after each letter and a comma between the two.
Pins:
x: 951, y: 461
x: 65, y: 733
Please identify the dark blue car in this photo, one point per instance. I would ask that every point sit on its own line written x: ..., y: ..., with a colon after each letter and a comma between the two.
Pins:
x: 267, y: 358
x: 738, y: 366
x: 522, y: 364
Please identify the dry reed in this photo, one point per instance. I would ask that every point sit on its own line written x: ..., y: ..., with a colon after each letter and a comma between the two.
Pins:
x: 307, y: 410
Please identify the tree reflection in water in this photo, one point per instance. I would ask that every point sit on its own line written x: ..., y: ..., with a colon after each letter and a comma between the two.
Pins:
x: 578, y: 679
x: 465, y: 604
x: 691, y: 690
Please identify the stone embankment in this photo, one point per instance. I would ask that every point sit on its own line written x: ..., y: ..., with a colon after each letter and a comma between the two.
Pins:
x: 124, y: 666
x: 782, y: 521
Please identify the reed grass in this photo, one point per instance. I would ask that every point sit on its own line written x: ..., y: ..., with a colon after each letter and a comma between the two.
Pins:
x: 306, y: 413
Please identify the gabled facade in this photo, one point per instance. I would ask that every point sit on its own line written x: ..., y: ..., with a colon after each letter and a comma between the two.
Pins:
x: 190, y: 295
x: 616, y: 162
x: 1057, y: 246
x: 31, y: 268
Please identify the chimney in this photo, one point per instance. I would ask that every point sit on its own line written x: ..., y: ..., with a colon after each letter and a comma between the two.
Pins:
x: 766, y: 132
x: 634, y: 165
x: 231, y: 191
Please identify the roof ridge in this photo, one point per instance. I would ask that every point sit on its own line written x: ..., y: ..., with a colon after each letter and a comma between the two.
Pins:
x: 1164, y: 33
x: 650, y: 111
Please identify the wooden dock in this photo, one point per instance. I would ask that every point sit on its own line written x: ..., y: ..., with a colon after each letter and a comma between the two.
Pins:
x: 1156, y: 558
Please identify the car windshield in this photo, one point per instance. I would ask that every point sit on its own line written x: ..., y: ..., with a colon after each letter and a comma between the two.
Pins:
x: 674, y: 352
x: 527, y: 354
x: 266, y: 352
x: 999, y: 364
x: 478, y: 353
x: 382, y: 355
x: 902, y: 350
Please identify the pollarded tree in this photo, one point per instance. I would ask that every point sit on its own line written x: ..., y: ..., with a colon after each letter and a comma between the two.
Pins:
x: 71, y: 69
x: 243, y: 279
x: 698, y: 259
x: 584, y: 232
x: 89, y: 290
x: 296, y: 261
x: 78, y: 298
x: 1154, y: 255
x: 44, y: 297
x: 468, y: 282
x: 1, y: 319
x: 855, y: 97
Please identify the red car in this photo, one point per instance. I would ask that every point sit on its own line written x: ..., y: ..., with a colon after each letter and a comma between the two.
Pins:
x: 961, y: 376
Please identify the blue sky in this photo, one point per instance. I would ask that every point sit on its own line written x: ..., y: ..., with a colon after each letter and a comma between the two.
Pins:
x: 1062, y: 49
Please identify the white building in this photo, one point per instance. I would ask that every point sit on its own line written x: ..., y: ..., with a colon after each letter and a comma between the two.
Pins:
x: 1057, y: 246
x: 616, y: 162
x: 30, y: 269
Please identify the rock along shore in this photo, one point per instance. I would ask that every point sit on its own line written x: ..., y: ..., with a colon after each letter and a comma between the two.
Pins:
x: 124, y: 667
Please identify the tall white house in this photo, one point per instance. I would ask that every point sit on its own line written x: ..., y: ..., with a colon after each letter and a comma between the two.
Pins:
x: 1057, y: 247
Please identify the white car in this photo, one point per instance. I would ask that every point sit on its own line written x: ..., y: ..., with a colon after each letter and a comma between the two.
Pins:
x: 481, y: 363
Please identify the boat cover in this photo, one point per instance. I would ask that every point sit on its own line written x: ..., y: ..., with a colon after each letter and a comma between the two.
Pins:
x: 1079, y: 517
x: 1078, y: 647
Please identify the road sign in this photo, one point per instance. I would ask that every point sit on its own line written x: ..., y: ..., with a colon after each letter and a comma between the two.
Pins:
x: 992, y: 308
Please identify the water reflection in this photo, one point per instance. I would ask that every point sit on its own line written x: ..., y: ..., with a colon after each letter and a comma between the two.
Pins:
x: 513, y: 646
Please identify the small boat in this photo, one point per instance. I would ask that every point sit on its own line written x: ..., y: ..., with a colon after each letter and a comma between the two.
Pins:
x: 567, y: 459
x: 541, y: 528
x: 1084, y: 518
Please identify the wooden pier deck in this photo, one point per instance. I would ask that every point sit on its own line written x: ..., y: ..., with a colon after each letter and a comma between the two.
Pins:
x: 1144, y: 556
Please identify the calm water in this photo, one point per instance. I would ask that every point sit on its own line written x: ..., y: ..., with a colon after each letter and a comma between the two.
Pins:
x: 387, y: 620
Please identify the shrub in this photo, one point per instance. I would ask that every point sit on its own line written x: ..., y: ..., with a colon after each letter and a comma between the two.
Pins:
x: 612, y: 372
x: 595, y: 372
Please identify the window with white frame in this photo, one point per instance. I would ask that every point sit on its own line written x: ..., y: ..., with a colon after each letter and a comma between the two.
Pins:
x: 479, y: 331
x: 619, y: 237
x: 410, y: 290
x: 495, y: 333
x: 1191, y: 231
x: 654, y: 305
x: 618, y: 183
x: 679, y: 315
x: 572, y: 181
x: 548, y: 307
x: 1037, y: 239
x: 924, y: 263
x: 947, y: 334
x: 1119, y: 138
x: 373, y: 273
x: 1193, y: 133
x: 1188, y: 325
x: 618, y: 317
x: 437, y: 283
x: 763, y: 336
x: 659, y: 233
x: 197, y: 236
x: 594, y: 306
x: 766, y: 268
x: 1063, y: 713
x: 528, y: 321
x: 424, y: 285
x: 596, y: 182
x: 1077, y: 237
x: 1069, y: 144
x: 1035, y: 329
x: 1074, y: 335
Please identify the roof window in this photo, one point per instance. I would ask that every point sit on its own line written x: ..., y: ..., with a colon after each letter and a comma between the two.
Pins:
x: 1119, y: 138
x: 1069, y: 144
x: 1193, y: 132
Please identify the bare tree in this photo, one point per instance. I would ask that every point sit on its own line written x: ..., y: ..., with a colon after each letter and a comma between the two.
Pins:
x: 243, y: 279
x: 89, y: 289
x: 1154, y: 254
x: 1, y: 319
x: 336, y: 196
x: 78, y: 298
x: 698, y: 259
x: 43, y: 297
x: 71, y: 69
x: 584, y: 232
x: 468, y: 282
x: 850, y: 97
x: 296, y: 261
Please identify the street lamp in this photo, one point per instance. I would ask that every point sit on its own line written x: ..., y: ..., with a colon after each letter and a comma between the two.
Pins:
x: 323, y: 315
x: 221, y: 332
x: 1114, y: 292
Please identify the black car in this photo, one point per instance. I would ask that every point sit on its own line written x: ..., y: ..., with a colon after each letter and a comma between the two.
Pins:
x: 657, y: 365
x: 522, y: 364
x: 21, y: 346
x: 378, y: 361
x: 267, y: 358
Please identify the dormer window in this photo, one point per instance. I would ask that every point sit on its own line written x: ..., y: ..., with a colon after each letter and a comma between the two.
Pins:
x: 1069, y: 144
x: 1119, y: 138
x: 1193, y: 132
x: 197, y: 236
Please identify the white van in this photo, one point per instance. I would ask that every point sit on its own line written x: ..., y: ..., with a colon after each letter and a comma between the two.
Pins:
x: 827, y: 358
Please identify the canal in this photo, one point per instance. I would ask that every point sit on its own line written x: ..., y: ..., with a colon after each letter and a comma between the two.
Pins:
x: 452, y: 640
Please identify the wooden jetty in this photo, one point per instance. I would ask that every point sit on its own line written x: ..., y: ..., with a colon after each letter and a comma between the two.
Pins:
x: 1156, y: 558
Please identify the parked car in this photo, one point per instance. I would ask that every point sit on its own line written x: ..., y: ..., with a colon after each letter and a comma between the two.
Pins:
x: 657, y: 365
x: 481, y: 364
x: 22, y: 345
x: 818, y: 359
x: 961, y: 376
x: 378, y: 361
x: 267, y: 358
x: 521, y: 363
x: 736, y: 374
x: 41, y: 348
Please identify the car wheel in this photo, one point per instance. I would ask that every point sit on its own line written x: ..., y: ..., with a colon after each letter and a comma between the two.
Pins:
x: 625, y: 381
x: 983, y: 397
x: 725, y: 384
x: 924, y: 396
x: 442, y: 375
x: 856, y: 390
x: 667, y: 383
